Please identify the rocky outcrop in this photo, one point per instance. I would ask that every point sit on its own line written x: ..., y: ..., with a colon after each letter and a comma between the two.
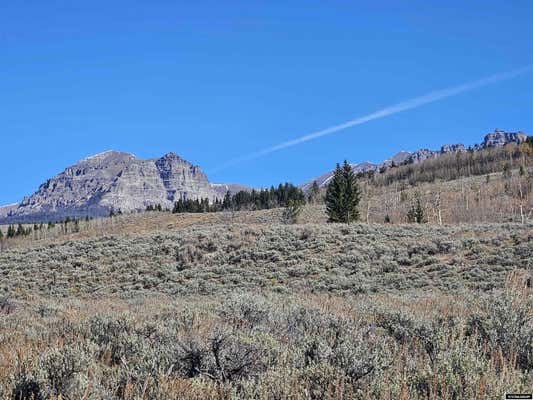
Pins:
x: 222, y: 188
x: 452, y: 148
x: 324, y: 179
x: 113, y: 181
x: 182, y: 180
x: 501, y: 138
x: 422, y: 155
x: 398, y: 158
x: 5, y: 210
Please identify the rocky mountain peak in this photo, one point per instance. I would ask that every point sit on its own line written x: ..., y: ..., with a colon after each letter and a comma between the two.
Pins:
x: 108, y: 156
x: 501, y: 138
x: 171, y: 156
x: 452, y: 148
x: 112, y: 180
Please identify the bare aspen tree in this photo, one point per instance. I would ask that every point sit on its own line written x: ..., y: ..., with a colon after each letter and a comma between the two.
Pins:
x: 437, y: 204
x: 522, y: 217
x: 369, y: 194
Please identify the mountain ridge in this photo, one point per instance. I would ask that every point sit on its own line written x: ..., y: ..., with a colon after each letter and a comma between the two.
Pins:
x: 493, y: 139
x: 119, y: 181
x: 114, y: 181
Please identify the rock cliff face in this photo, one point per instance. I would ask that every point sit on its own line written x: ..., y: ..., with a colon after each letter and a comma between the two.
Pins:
x: 452, y: 148
x: 112, y: 181
x: 493, y: 139
x: 501, y: 138
x: 222, y: 188
x: 4, y: 210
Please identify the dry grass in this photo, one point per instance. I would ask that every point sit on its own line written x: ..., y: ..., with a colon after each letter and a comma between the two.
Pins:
x: 227, y: 306
x: 301, y: 346
x: 208, y: 259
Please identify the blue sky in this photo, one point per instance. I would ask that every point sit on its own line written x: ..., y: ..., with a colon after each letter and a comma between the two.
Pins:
x: 214, y: 81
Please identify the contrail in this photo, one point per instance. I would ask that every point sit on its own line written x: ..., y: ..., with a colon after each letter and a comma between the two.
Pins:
x: 394, y: 109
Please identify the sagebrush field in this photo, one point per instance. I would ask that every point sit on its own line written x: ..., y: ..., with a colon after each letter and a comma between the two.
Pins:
x: 270, y: 311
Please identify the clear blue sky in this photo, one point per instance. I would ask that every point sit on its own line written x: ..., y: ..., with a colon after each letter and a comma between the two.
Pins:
x: 215, y: 80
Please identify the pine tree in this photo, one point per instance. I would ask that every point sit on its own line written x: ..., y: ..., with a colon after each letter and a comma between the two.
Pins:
x: 335, y: 196
x: 291, y: 212
x: 352, y: 194
x: 507, y: 171
x: 416, y: 213
x: 343, y: 195
x: 314, y: 192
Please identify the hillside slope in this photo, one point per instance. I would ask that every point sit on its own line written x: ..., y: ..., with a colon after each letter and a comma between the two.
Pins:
x: 496, y: 139
x: 208, y: 259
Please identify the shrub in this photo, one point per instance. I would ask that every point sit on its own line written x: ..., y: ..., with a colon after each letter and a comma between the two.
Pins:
x: 222, y: 358
x: 505, y: 323
x: 60, y: 367
x: 25, y: 385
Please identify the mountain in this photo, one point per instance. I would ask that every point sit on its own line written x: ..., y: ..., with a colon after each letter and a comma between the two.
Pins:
x: 122, y: 182
x: 324, y: 179
x: 494, y: 139
x: 4, y: 210
x: 222, y: 188
x: 114, y: 181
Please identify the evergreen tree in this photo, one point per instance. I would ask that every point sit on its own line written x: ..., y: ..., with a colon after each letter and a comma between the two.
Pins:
x: 416, y: 213
x: 507, y: 171
x: 335, y: 196
x: 314, y: 192
x: 20, y: 230
x: 343, y: 195
x: 352, y: 194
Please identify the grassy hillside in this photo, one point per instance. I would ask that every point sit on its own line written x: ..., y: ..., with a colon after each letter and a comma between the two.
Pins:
x: 259, y: 310
x: 493, y: 198
x: 236, y: 305
x: 207, y: 259
x: 477, y: 199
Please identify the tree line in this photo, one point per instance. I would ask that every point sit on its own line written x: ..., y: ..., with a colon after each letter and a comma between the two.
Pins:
x: 281, y: 196
x: 19, y: 230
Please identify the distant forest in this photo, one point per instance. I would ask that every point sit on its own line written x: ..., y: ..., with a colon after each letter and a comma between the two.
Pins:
x: 281, y: 196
